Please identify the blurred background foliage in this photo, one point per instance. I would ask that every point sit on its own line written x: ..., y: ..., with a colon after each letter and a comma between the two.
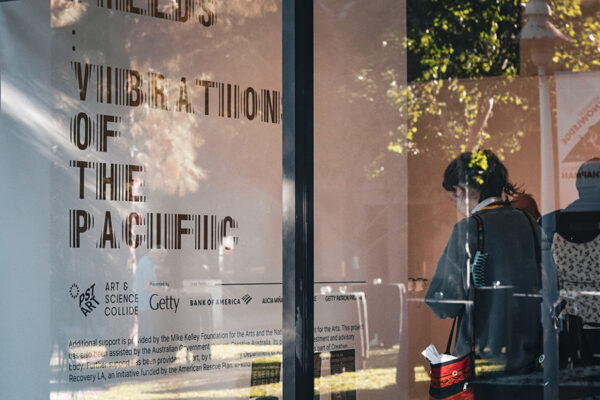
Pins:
x: 463, y: 61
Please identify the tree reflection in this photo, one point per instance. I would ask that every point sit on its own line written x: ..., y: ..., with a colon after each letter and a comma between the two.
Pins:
x: 450, y: 47
x: 580, y: 21
x: 168, y: 143
x: 455, y: 116
x: 451, y: 103
x: 65, y: 12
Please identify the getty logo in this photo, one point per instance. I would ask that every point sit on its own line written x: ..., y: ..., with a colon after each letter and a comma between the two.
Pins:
x: 163, y: 303
x: 87, y: 298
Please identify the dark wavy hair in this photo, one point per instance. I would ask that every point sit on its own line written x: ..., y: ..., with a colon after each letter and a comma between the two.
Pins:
x: 482, y: 171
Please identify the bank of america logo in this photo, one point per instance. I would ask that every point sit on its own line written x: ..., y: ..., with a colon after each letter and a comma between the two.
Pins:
x: 247, y: 299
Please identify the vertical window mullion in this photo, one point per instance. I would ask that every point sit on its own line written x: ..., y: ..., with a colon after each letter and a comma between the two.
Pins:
x: 298, y: 184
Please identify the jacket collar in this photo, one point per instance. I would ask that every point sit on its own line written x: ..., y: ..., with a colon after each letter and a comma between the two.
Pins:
x: 485, y: 203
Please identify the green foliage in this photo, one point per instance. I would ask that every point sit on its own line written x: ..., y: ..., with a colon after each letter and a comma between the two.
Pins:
x: 580, y: 21
x: 462, y: 38
x: 479, y: 159
x: 464, y: 91
x: 451, y: 46
x: 454, y: 115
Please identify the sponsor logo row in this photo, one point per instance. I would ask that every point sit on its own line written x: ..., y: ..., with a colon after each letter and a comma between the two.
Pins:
x: 120, y: 300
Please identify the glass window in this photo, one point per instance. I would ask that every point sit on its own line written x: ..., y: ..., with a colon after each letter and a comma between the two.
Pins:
x: 361, y: 204
x: 141, y: 155
x: 457, y: 203
x: 446, y: 132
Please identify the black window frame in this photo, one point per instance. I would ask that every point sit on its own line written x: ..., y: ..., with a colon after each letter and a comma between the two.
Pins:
x: 297, y: 201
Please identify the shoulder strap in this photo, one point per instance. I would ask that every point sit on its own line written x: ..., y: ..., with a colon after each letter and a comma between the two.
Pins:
x: 480, y: 248
x: 480, y: 238
x: 480, y: 244
x: 450, y: 337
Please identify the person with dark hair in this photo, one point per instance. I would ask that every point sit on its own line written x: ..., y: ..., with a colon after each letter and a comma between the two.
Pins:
x: 488, y: 277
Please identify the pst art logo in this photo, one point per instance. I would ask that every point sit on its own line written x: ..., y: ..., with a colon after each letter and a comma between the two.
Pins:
x: 87, y: 298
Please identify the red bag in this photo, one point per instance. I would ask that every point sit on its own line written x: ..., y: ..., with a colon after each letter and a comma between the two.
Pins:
x: 452, y: 380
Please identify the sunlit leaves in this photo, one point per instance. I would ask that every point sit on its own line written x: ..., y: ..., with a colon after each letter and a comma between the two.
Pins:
x: 448, y: 41
x: 462, y: 39
x: 458, y: 111
x: 580, y: 21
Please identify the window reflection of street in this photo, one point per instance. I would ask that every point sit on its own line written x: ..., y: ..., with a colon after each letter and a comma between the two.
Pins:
x: 376, y: 375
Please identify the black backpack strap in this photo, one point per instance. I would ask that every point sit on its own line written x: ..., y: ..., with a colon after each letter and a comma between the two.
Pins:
x: 480, y: 236
x: 450, y: 337
x: 480, y: 244
x: 480, y: 248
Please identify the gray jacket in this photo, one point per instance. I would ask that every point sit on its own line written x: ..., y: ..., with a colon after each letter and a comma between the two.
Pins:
x: 508, y: 332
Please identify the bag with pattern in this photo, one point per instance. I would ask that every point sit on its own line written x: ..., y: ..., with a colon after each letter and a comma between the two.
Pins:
x: 451, y: 380
x: 578, y: 280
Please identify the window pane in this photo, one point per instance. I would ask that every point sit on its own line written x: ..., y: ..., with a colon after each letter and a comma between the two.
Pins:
x: 361, y: 242
x: 141, y: 155
x: 405, y: 91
